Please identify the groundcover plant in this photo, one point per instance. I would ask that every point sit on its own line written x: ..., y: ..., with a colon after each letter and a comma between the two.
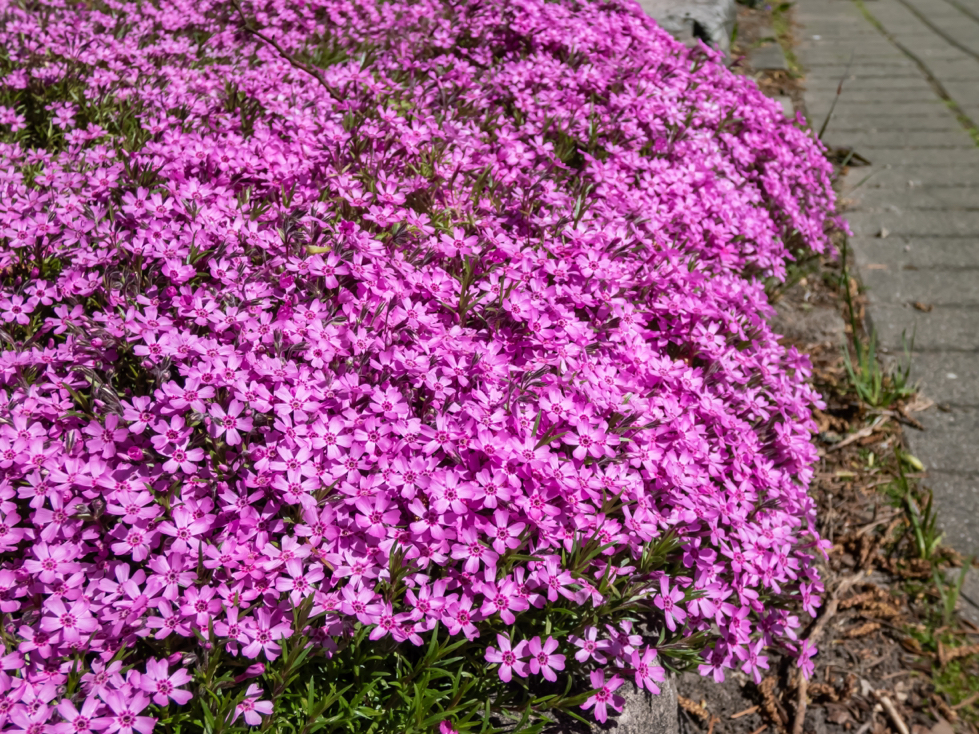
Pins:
x: 389, y: 366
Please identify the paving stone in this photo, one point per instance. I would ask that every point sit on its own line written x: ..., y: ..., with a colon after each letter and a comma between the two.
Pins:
x: 951, y: 198
x: 910, y: 222
x: 941, y: 289
x: 948, y: 378
x: 768, y: 57
x: 956, y: 497
x: 923, y: 187
x: 919, y: 253
x: 850, y: 123
x: 929, y: 157
x: 933, y: 332
x: 888, y: 139
x: 857, y: 83
x: 969, y: 596
x: 686, y: 18
x: 873, y: 112
x: 869, y: 96
x: 900, y: 176
x: 942, y: 455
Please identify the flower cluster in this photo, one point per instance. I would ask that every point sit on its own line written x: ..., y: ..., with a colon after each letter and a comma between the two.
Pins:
x: 388, y: 310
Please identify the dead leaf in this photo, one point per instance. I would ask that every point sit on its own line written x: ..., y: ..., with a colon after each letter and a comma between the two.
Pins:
x: 837, y: 714
x: 863, y: 629
x: 926, y: 307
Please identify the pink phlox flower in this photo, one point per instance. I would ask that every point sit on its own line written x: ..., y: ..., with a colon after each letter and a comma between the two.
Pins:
x: 502, y: 599
x: 505, y: 534
x: 185, y: 529
x: 377, y: 517
x: 171, y: 573
x: 264, y: 629
x: 170, y: 435
x: 668, y: 601
x: 472, y: 550
x: 604, y: 695
x: 231, y: 629
x: 442, y: 436
x: 360, y: 602
x: 230, y: 423
x: 451, y: 495
x: 460, y: 617
x: 192, y: 395
x: 52, y: 561
x: 291, y: 554
x: 590, y: 647
x: 804, y: 660
x: 543, y: 659
x: 162, y: 685
x: 752, y: 658
x: 102, y: 677
x: 251, y: 708
x: 77, y: 721
x: 648, y: 674
x: 510, y: 659
x: 200, y: 605
x: 74, y: 622
x: 299, y: 584
x: 429, y: 600
x: 556, y: 580
x: 138, y: 414
x: 125, y: 714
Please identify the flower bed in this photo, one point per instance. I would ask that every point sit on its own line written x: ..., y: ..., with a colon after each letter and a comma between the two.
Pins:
x: 348, y: 347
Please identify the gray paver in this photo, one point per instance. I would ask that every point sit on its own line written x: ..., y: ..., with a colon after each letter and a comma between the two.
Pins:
x: 923, y: 194
x: 769, y: 57
x: 918, y: 253
x: 937, y: 452
x: 941, y: 289
x: 912, y: 176
x: 910, y: 222
x: 947, y: 198
x: 956, y: 497
x: 948, y: 378
x: 870, y: 139
x: 933, y: 332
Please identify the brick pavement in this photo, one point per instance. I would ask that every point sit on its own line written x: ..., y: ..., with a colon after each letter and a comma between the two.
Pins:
x: 911, y: 91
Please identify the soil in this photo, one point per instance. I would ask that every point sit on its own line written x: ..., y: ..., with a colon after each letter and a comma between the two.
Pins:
x: 866, y: 652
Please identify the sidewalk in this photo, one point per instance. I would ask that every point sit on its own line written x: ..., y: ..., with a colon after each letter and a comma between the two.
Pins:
x: 910, y: 93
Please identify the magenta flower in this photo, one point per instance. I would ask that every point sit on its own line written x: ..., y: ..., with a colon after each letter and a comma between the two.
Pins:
x: 125, y: 716
x: 805, y: 658
x: 51, y: 561
x: 668, y: 601
x: 604, y: 695
x: 77, y: 721
x: 251, y: 708
x: 73, y: 623
x: 264, y: 630
x: 752, y: 658
x: 543, y: 660
x: 510, y: 659
x: 590, y: 647
x: 162, y: 686
x: 230, y: 423
x: 648, y: 674
x: 376, y: 517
